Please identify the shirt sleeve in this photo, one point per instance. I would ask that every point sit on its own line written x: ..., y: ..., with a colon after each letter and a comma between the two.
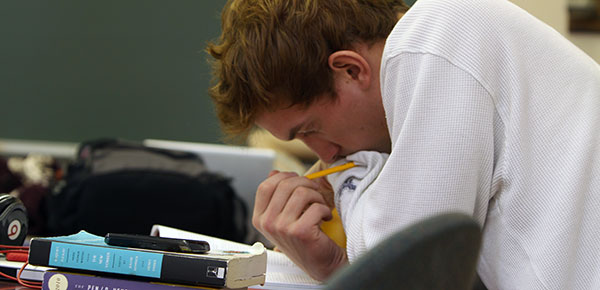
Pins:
x: 441, y: 123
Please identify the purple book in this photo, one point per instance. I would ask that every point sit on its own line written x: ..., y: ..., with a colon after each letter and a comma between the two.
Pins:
x: 56, y: 280
x: 85, y: 252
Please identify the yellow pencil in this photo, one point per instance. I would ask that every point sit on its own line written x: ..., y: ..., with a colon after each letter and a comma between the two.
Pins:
x: 330, y: 170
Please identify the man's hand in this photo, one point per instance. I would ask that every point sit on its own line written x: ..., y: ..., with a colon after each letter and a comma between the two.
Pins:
x: 325, y: 187
x: 288, y: 211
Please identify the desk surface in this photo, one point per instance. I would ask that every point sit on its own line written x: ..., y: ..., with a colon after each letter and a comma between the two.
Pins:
x: 6, y: 285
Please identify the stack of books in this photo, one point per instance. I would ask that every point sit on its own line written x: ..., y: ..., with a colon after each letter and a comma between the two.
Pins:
x: 282, y: 273
x: 85, y: 261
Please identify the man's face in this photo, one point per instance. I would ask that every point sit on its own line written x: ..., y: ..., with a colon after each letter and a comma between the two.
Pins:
x: 332, y: 128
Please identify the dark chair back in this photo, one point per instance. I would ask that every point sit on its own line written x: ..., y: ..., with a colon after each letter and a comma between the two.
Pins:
x: 437, y: 253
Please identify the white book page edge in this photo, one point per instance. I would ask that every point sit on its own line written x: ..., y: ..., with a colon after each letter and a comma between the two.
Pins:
x: 280, y: 269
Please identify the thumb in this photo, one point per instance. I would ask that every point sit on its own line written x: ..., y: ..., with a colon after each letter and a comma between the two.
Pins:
x: 325, y: 187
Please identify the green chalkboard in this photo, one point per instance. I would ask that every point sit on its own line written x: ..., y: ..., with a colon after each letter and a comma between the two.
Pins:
x: 72, y: 70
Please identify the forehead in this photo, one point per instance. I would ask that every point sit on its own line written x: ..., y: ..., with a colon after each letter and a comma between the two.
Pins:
x: 282, y: 120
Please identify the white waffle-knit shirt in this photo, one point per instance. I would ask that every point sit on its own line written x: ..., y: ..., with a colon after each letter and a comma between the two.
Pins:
x: 494, y: 114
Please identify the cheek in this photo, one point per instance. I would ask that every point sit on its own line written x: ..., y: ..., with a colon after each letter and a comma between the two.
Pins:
x: 355, y: 134
x: 341, y: 127
x: 348, y: 125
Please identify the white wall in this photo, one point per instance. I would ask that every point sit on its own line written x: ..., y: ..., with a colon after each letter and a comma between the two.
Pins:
x: 555, y: 13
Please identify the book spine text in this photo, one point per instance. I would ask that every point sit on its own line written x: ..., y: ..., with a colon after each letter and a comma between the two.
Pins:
x: 105, y: 259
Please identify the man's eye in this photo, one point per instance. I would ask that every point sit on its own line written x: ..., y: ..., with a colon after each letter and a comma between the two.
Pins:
x: 306, y: 133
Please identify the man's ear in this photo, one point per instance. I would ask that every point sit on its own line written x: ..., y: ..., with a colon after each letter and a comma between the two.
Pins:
x: 350, y: 65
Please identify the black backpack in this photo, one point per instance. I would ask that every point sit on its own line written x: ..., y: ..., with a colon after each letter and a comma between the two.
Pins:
x: 124, y: 187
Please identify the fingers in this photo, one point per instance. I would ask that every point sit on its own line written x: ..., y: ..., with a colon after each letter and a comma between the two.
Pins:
x: 272, y: 194
x: 325, y: 187
x: 282, y: 199
x: 287, y: 188
x: 304, y: 229
x: 266, y: 189
x: 301, y: 199
x: 289, y: 210
x: 318, y: 166
x: 315, y: 214
x: 326, y: 191
x: 273, y: 172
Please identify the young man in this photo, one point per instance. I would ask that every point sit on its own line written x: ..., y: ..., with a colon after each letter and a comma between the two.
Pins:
x: 483, y: 109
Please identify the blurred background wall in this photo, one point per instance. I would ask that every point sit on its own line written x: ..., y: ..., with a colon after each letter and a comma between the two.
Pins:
x: 72, y: 70
x: 556, y: 14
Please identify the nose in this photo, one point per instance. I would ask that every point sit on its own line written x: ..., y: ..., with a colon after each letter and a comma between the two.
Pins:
x: 326, y: 150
